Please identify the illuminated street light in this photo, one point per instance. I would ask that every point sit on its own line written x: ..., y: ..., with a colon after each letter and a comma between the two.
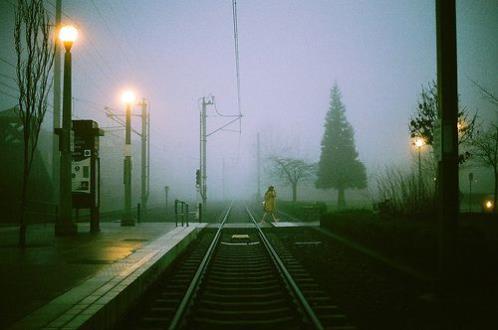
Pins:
x: 419, y: 143
x: 461, y: 127
x: 68, y: 35
x: 488, y: 205
x: 128, y: 98
x: 64, y: 224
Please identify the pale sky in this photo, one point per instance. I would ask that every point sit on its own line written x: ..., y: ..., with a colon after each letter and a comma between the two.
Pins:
x: 380, y: 53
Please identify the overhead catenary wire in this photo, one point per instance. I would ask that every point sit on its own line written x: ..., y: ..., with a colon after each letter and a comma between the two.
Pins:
x: 237, y: 69
x: 236, y: 49
x: 114, y: 37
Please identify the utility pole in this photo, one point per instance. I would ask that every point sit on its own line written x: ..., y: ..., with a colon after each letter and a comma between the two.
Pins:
x: 127, y: 219
x: 258, y: 193
x: 203, y: 141
x: 144, y: 159
x: 57, y: 100
x: 223, y: 178
x: 166, y: 191
x: 448, y: 164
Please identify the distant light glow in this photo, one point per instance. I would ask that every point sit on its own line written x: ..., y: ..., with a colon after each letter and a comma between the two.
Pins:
x: 419, y: 142
x: 128, y: 97
x: 488, y: 205
x: 68, y: 33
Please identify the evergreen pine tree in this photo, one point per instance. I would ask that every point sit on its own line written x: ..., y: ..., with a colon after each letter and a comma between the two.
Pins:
x: 339, y: 167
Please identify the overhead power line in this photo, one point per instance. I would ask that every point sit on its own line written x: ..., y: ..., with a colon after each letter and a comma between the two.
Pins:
x: 236, y: 42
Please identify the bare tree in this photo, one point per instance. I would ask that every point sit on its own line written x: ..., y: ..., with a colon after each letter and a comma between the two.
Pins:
x: 35, y: 57
x: 292, y: 171
x: 485, y: 153
x: 491, y: 97
x: 485, y: 145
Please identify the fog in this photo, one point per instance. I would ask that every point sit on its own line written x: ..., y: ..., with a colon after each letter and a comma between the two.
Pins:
x: 173, y: 53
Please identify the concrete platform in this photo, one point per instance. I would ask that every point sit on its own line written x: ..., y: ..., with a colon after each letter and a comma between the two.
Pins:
x: 284, y: 224
x: 280, y: 224
x: 86, y: 281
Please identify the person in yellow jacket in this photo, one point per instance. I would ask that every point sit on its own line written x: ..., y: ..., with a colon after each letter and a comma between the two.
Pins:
x: 270, y: 203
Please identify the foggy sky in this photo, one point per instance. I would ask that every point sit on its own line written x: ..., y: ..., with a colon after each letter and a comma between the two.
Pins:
x: 380, y: 53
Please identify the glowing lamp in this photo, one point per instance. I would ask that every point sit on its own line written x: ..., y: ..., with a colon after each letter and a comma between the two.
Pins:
x: 68, y: 35
x: 488, y: 205
x: 419, y: 142
x: 128, y: 97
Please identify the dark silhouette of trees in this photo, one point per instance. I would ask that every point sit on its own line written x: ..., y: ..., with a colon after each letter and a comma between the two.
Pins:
x: 424, y: 123
x: 292, y: 171
x: 485, y: 153
x: 35, y: 57
x: 339, y: 167
x: 484, y: 145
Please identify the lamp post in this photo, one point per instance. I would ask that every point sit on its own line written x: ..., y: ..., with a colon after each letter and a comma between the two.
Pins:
x: 471, y: 178
x: 419, y: 143
x: 128, y: 99
x: 64, y: 224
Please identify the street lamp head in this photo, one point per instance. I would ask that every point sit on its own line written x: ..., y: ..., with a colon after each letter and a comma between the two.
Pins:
x: 488, y: 205
x: 68, y: 35
x: 128, y: 97
x: 419, y: 142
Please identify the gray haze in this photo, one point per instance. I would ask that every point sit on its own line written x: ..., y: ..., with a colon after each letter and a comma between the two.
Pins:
x: 380, y: 53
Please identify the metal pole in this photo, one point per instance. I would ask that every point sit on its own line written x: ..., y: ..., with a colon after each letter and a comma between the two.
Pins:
x: 186, y: 212
x: 139, y: 213
x: 182, y: 209
x: 203, y: 153
x: 419, y: 175
x: 200, y: 212
x: 127, y: 219
x: 448, y: 165
x: 144, y: 138
x: 57, y: 100
x: 65, y: 225
x: 223, y: 178
x: 258, y: 193
x: 166, y: 190
x: 471, y: 178
x: 176, y: 212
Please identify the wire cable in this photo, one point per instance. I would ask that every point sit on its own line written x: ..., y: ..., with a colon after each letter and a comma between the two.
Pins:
x: 236, y: 44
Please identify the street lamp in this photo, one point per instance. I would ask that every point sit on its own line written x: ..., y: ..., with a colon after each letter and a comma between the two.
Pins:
x: 419, y: 143
x: 128, y: 98
x: 64, y: 224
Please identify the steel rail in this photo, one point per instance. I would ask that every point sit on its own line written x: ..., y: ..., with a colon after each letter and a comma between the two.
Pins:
x: 199, y: 274
x: 288, y: 278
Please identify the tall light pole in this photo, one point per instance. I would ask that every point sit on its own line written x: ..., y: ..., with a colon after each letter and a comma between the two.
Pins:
x: 419, y: 143
x: 203, y: 136
x: 64, y: 224
x: 128, y: 99
x: 258, y: 193
x: 57, y: 98
x: 471, y: 178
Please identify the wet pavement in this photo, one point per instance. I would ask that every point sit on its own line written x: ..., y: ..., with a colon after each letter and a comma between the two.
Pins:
x: 50, y: 266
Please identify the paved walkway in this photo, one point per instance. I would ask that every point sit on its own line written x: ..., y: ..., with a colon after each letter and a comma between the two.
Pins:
x: 50, y: 266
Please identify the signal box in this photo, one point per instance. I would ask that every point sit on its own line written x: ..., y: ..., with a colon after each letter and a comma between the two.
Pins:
x: 86, y: 169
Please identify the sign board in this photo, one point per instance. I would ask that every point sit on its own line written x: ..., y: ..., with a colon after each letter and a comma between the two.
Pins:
x: 84, y: 170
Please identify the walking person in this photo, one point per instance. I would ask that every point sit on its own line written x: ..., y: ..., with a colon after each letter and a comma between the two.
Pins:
x: 270, y: 204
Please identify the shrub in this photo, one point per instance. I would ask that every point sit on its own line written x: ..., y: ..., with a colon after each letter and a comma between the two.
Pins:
x: 400, y: 194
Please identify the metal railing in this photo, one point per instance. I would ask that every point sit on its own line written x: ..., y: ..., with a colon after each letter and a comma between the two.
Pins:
x: 181, y: 211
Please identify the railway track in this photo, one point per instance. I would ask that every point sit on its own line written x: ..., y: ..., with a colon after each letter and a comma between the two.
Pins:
x: 233, y: 278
